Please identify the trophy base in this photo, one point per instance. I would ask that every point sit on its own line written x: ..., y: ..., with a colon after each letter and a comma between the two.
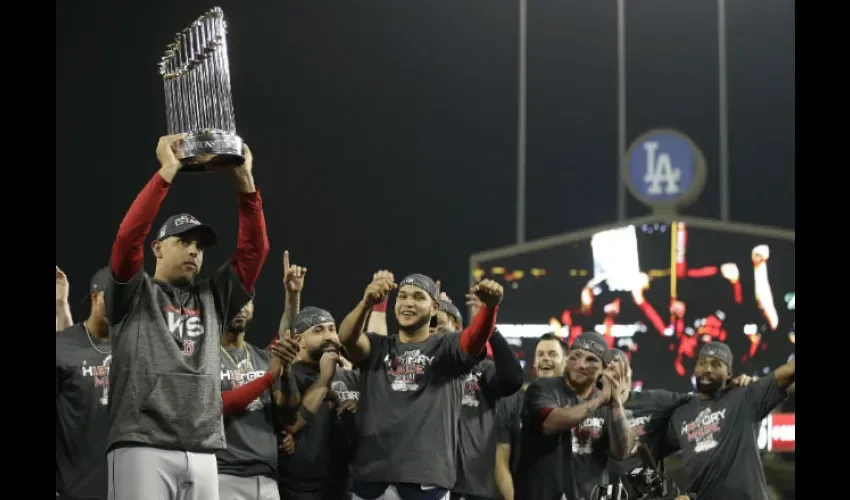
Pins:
x: 208, y: 150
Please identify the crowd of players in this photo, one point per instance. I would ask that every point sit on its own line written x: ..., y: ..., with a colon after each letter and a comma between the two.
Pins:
x: 158, y: 396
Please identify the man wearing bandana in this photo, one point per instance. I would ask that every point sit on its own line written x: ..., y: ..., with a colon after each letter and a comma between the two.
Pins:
x: 411, y: 387
x: 483, y: 387
x: 570, y: 427
x: 717, y: 430
x: 648, y: 413
x: 318, y: 469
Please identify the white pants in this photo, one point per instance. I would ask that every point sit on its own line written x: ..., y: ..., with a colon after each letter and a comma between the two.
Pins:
x: 139, y: 473
x: 247, y: 488
x: 391, y: 493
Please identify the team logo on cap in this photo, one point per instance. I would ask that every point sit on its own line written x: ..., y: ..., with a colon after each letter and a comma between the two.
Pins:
x: 186, y: 219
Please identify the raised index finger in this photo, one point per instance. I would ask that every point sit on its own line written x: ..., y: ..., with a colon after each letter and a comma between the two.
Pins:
x: 287, y: 334
x: 286, y: 261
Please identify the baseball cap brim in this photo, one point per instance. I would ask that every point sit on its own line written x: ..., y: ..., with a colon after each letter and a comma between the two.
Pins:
x: 206, y: 234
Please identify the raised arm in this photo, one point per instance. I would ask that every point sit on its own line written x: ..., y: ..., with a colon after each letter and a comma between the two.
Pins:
x: 252, y: 246
x: 235, y: 401
x: 293, y: 283
x: 473, y: 338
x: 621, y: 439
x: 376, y: 321
x: 315, y: 395
x: 508, y: 376
x: 128, y: 250
x: 63, y: 309
x: 351, y: 329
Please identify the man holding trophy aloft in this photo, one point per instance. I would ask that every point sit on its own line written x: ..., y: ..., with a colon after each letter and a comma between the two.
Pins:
x: 165, y: 408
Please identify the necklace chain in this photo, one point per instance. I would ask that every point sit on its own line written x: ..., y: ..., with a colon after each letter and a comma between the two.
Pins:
x: 91, y: 341
x: 248, y: 365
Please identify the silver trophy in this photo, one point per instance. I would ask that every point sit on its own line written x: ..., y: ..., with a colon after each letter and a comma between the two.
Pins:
x: 196, y: 74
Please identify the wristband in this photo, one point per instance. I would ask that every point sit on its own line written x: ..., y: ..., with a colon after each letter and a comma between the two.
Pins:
x: 306, y: 414
x: 381, y: 306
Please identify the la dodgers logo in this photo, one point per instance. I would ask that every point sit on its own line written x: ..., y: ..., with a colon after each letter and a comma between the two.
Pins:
x: 664, y: 168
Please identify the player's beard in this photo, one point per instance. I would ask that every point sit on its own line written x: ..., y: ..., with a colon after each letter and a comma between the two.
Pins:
x: 709, y: 388
x: 238, y: 326
x: 316, y: 354
x: 425, y: 320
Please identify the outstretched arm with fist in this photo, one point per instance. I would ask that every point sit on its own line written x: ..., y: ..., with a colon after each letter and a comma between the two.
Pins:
x: 351, y: 328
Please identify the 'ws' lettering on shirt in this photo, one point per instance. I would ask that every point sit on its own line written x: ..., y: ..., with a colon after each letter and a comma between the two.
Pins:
x: 166, y: 351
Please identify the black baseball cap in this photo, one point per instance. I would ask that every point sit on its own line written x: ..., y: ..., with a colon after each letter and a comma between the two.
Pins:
x: 181, y: 223
x: 99, y: 281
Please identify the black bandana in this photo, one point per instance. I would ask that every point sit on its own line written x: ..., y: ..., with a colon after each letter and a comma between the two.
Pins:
x: 309, y: 317
x: 421, y: 281
x: 593, y: 343
x: 450, y: 309
x: 717, y: 350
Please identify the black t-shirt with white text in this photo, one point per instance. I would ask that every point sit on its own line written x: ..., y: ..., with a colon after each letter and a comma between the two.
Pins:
x: 648, y: 414
x: 477, y: 445
x: 509, y: 425
x: 251, y: 438
x: 570, y: 463
x: 82, y: 395
x: 407, y: 419
x: 719, y: 441
x: 320, y: 463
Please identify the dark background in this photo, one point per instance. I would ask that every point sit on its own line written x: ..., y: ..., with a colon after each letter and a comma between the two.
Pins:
x: 384, y: 132
x: 569, y: 267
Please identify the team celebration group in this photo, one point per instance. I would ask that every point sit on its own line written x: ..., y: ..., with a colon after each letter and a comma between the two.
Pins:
x: 159, y: 397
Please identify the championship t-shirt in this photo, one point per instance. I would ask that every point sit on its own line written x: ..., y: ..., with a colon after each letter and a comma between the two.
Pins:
x: 719, y: 441
x: 324, y: 449
x: 509, y: 424
x: 477, y: 447
x: 251, y: 438
x: 648, y: 414
x: 82, y: 395
x: 407, y: 419
x: 570, y: 463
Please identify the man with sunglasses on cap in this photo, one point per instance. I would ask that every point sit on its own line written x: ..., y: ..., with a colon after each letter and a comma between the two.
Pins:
x: 484, y: 386
x: 570, y: 427
x: 83, y: 359
x: 165, y: 413
x: 717, y: 429
x: 318, y: 469
x: 411, y: 387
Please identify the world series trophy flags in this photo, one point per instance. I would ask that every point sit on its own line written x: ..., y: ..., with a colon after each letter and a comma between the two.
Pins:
x: 195, y: 72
